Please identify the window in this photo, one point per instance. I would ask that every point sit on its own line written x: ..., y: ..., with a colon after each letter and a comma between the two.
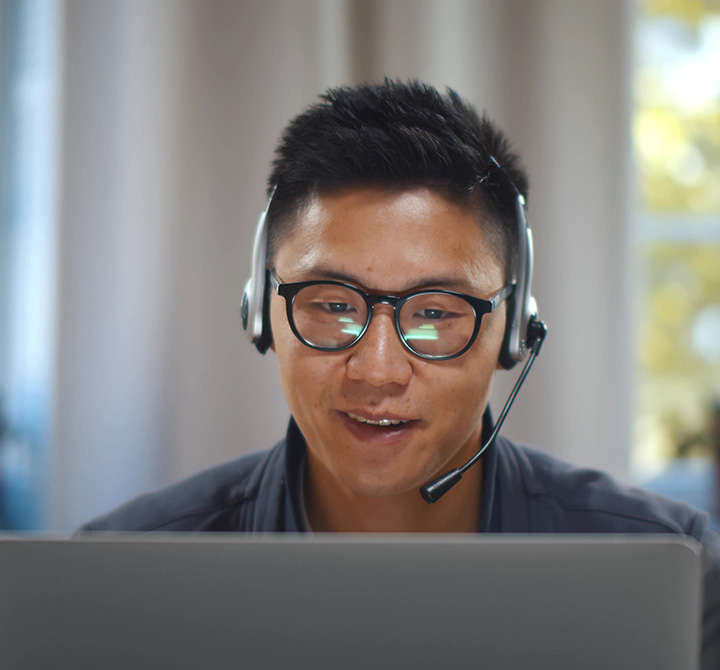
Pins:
x: 676, y: 129
x: 28, y: 134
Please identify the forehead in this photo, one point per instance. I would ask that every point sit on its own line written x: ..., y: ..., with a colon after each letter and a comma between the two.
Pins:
x: 389, y: 240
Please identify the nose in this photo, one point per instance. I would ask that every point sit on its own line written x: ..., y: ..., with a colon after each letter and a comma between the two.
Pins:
x: 379, y: 358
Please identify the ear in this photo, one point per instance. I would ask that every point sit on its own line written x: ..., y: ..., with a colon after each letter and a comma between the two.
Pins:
x: 505, y: 362
x: 265, y: 339
x: 267, y: 318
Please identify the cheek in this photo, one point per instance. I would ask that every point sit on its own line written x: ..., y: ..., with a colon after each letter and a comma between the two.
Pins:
x: 471, y: 383
x: 284, y: 342
x: 284, y: 345
x: 491, y: 337
x: 464, y: 396
x: 303, y: 371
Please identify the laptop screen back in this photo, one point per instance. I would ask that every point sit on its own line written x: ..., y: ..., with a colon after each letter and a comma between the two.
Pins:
x: 335, y: 601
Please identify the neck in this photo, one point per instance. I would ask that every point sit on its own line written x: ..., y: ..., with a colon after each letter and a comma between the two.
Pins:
x: 338, y: 510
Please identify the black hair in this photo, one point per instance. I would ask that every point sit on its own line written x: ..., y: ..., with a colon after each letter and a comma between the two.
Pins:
x: 398, y: 135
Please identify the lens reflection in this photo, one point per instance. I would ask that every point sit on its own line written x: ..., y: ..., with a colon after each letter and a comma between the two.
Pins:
x: 437, y: 324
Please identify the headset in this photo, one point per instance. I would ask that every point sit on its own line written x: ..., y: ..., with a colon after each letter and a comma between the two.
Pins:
x: 255, y: 308
x: 521, y: 307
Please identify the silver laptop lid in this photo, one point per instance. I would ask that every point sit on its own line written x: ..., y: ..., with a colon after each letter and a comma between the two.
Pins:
x: 346, y: 602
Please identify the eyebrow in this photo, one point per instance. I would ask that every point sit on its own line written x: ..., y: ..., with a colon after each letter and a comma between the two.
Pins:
x: 446, y: 282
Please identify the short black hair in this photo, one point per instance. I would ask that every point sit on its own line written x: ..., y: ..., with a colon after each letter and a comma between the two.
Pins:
x: 398, y: 135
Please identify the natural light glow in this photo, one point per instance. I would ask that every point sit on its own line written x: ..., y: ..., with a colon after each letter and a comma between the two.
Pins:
x: 676, y: 138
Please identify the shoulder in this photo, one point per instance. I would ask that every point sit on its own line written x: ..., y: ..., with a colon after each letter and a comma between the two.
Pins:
x: 209, y: 500
x: 556, y: 496
x: 541, y: 493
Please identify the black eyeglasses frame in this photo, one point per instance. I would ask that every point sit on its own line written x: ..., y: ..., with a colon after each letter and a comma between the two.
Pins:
x: 480, y: 307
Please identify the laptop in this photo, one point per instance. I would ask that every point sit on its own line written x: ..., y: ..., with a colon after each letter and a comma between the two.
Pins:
x: 348, y: 602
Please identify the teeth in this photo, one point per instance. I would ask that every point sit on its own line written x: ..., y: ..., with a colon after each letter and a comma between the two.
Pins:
x: 381, y: 422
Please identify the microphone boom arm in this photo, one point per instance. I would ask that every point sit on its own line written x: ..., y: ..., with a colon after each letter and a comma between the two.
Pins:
x: 433, y: 491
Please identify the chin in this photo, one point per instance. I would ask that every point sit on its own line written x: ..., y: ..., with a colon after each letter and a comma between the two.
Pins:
x: 372, y: 487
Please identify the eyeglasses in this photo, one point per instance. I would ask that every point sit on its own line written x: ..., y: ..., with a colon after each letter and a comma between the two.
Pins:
x: 434, y: 324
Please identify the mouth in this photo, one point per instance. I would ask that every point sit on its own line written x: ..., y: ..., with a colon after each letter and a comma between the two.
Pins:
x: 383, y: 423
x: 379, y: 429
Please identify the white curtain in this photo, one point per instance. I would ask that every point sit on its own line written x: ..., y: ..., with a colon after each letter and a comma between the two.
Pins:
x: 171, y: 112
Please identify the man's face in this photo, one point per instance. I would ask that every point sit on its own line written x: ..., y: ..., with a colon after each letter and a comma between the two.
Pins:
x: 391, y: 243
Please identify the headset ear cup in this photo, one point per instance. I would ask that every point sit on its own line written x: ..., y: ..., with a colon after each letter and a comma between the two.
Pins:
x: 245, y: 305
x: 264, y: 340
x: 506, y: 360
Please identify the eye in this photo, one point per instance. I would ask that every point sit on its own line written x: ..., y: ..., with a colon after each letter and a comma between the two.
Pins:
x: 326, y: 308
x: 337, y: 307
x: 434, y: 314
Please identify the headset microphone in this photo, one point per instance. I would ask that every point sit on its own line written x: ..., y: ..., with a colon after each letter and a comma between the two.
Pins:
x: 433, y: 491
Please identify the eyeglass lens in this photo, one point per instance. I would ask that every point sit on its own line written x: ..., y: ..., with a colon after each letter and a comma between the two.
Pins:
x: 432, y: 324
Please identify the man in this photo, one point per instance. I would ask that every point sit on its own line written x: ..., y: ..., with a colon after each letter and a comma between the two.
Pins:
x: 391, y: 281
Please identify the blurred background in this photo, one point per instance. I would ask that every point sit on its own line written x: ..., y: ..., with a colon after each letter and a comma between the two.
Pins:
x: 135, y: 141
